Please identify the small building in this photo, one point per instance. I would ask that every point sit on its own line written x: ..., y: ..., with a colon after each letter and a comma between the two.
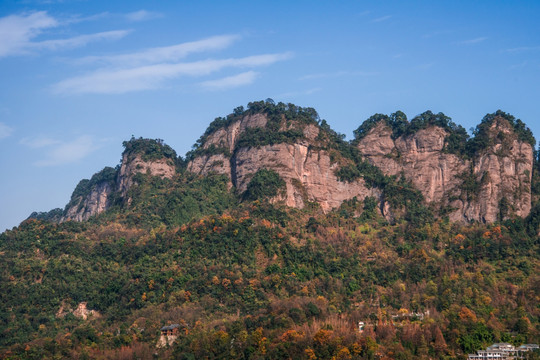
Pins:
x: 170, y: 330
x: 503, y: 351
x: 529, y: 347
x: 169, y: 334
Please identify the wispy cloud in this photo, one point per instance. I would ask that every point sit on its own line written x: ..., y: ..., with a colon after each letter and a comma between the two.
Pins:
x: 5, y: 131
x: 382, y: 18
x: 38, y: 142
x: 336, y: 74
x: 78, y: 19
x: 523, y: 49
x: 79, y: 40
x: 18, y: 31
x: 118, y: 81
x: 57, y: 152
x: 473, y: 41
x: 164, y: 54
x: 143, y: 15
x: 230, y: 82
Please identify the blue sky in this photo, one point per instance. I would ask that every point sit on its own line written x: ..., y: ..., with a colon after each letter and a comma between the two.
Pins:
x: 80, y: 77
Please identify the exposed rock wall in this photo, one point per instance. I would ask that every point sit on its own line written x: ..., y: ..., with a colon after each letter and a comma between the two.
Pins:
x: 308, y: 173
x: 506, y: 169
x: 132, y: 165
x: 503, y: 170
x: 228, y: 136
x: 97, y: 200
x: 94, y: 203
x: 81, y: 311
x: 205, y: 164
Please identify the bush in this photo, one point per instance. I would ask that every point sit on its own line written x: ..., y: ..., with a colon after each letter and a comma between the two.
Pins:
x: 264, y: 184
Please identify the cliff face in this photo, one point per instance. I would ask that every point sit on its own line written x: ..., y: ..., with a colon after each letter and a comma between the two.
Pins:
x: 94, y: 203
x: 485, y: 179
x: 504, y: 173
x: 225, y: 139
x: 133, y: 165
x: 502, y: 170
x: 94, y: 197
x: 307, y: 170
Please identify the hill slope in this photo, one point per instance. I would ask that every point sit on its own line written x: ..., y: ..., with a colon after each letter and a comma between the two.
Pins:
x: 275, y: 237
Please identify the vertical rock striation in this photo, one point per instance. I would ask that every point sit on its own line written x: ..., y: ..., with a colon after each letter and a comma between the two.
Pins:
x: 501, y: 172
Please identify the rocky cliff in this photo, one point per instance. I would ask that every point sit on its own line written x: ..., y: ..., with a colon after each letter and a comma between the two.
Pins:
x: 487, y: 184
x: 300, y: 157
x: 503, y: 172
x: 427, y: 162
x: 142, y: 156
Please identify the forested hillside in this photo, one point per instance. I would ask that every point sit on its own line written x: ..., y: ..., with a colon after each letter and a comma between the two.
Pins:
x: 247, y: 276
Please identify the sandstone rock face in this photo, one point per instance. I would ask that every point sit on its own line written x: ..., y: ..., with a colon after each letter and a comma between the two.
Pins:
x: 205, y: 164
x: 308, y: 173
x: 227, y: 137
x: 96, y: 202
x: 418, y: 156
x: 224, y: 138
x: 81, y: 311
x: 166, y: 340
x: 131, y: 166
x: 506, y: 168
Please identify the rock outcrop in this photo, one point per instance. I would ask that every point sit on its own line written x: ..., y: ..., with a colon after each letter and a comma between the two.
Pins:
x: 308, y: 171
x: 502, y: 171
x: 133, y: 164
x: 92, y: 197
x: 504, y: 174
x: 95, y: 202
x: 81, y: 311
x: 484, y: 179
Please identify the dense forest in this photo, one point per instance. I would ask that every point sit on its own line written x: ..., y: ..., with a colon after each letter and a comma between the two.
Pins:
x: 246, y: 277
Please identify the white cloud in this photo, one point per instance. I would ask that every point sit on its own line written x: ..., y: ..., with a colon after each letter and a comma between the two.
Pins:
x: 230, y: 82
x: 473, y: 41
x: 38, y: 142
x: 142, y: 15
x: 164, y: 54
x: 61, y: 153
x: 5, y: 131
x: 17, y: 32
x: 522, y: 49
x: 382, y: 18
x: 80, y: 40
x: 78, y: 19
x: 118, y: 81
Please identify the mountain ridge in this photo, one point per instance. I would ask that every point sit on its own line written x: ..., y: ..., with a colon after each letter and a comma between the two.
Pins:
x: 485, y: 178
